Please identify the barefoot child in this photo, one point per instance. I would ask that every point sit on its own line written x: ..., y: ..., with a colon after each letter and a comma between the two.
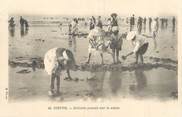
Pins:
x: 96, y: 41
x: 140, y: 45
x: 55, y: 61
x: 116, y: 39
x: 116, y: 44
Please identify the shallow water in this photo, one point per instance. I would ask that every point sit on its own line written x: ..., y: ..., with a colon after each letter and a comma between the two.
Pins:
x: 138, y: 84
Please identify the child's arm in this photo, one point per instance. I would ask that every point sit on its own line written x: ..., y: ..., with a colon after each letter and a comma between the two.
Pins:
x: 147, y: 36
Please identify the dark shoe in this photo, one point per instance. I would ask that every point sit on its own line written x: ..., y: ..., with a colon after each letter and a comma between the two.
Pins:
x: 87, y: 62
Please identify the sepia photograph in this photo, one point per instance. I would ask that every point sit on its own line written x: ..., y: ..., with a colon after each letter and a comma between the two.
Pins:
x: 68, y: 58
x: 90, y: 58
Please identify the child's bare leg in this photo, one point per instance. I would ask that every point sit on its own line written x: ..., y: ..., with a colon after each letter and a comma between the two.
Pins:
x: 113, y: 55
x: 88, y: 61
x: 52, y: 83
x: 137, y: 58
x: 141, y: 57
x: 117, y: 56
x: 101, y: 54
x: 58, y: 84
x: 68, y: 73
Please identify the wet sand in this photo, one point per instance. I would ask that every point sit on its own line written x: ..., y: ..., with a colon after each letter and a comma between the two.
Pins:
x: 157, y: 78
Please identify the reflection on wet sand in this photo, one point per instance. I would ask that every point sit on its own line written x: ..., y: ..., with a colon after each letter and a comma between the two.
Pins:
x: 115, y: 81
x: 11, y: 27
x: 24, y: 31
x: 96, y: 84
x: 141, y: 81
x: 12, y: 31
x: 103, y: 84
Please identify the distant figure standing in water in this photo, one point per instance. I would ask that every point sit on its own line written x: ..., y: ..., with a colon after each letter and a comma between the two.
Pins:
x: 22, y: 22
x: 173, y: 24
x: 26, y: 26
x: 162, y: 23
x: 157, y: 23
x: 22, y: 29
x: 11, y: 22
x: 155, y: 27
x: 144, y: 24
x: 99, y: 22
x: 92, y: 23
x: 23, y: 26
x: 73, y: 30
x: 109, y: 25
x: 166, y: 20
x: 132, y: 22
x: 60, y: 26
x: 11, y: 26
x: 150, y: 22
x: 139, y: 25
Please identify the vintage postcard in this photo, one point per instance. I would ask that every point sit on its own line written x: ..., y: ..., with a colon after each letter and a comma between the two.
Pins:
x: 94, y: 56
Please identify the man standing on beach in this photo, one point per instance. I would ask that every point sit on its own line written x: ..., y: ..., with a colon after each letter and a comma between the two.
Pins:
x: 150, y: 22
x: 73, y: 32
x: 99, y: 22
x: 155, y: 28
x: 11, y: 22
x: 92, y: 23
x: 139, y: 25
x: 11, y: 26
x: 109, y: 25
x: 21, y: 22
x: 173, y: 24
x: 144, y: 24
x: 132, y: 22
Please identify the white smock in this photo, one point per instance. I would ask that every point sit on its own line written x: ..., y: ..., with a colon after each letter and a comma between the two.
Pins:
x: 51, y: 60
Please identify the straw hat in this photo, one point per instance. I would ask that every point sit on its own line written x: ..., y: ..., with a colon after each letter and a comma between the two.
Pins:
x: 131, y: 35
x: 114, y: 15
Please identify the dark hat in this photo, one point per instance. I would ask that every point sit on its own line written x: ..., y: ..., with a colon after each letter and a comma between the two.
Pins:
x: 114, y: 15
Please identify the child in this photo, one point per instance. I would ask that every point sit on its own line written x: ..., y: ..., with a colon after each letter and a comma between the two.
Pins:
x: 154, y: 31
x: 140, y: 45
x: 96, y: 41
x: 116, y: 44
x: 55, y: 61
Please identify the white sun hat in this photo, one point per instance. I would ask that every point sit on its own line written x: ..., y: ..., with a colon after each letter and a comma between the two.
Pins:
x: 131, y: 35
